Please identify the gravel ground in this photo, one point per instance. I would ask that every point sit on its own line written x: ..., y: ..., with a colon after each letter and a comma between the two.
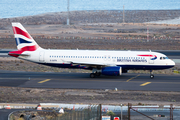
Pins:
x: 33, y: 95
x: 100, y: 16
x: 9, y: 43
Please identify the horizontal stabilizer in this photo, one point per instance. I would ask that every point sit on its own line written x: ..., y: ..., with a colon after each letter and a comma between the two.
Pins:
x: 17, y: 54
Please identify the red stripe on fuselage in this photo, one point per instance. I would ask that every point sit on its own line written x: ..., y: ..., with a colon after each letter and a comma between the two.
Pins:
x: 146, y: 55
x: 21, y: 32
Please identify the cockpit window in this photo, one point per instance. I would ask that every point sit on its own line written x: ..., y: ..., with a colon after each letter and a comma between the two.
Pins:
x: 163, y: 58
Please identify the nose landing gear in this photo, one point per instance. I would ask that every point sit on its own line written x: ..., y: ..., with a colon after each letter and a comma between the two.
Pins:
x: 151, y: 74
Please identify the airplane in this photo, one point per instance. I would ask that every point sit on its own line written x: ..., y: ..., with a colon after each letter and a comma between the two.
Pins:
x: 101, y: 62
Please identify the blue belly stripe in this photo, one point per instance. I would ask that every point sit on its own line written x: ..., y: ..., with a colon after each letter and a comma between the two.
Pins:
x: 124, y: 67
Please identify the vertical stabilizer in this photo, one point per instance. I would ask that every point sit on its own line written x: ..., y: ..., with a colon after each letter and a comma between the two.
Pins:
x: 23, y: 39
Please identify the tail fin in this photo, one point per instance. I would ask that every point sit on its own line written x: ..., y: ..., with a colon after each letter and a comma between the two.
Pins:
x: 24, y: 41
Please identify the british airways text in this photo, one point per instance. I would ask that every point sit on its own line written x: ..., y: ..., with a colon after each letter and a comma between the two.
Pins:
x: 134, y: 59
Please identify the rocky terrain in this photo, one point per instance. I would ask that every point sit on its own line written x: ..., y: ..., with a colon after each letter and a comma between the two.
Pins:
x: 97, y: 16
x: 29, y: 95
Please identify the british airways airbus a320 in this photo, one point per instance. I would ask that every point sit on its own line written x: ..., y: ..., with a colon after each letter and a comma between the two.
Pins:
x: 101, y: 62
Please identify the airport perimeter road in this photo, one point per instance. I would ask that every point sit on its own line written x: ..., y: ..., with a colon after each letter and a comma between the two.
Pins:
x: 5, y: 113
x: 82, y: 81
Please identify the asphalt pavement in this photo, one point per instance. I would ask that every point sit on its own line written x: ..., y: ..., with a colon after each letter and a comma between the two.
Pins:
x: 126, y: 81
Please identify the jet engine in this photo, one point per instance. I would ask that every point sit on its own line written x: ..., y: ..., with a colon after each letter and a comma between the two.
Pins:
x: 112, y: 71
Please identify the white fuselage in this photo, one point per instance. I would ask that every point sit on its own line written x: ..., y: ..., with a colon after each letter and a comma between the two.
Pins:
x: 125, y: 59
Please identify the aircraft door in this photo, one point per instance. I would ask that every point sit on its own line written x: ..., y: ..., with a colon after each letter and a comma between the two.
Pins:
x: 41, y: 56
x: 151, y: 60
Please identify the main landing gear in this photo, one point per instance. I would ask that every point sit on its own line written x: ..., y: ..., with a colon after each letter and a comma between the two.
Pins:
x: 151, y: 74
x: 93, y: 75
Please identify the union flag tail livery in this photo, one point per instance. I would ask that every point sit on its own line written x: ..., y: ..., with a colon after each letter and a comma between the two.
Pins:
x: 101, y: 62
x: 24, y: 41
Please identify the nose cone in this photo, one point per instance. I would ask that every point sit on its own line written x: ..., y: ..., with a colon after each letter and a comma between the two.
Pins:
x: 172, y: 63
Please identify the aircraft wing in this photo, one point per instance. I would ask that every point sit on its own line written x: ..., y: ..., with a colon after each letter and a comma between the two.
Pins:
x: 91, y: 64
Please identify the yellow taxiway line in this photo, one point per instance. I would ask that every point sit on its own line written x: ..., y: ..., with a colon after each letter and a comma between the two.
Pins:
x: 145, y: 83
x: 44, y: 81
x: 132, y: 78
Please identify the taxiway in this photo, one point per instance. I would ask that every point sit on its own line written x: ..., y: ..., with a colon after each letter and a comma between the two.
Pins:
x: 82, y: 81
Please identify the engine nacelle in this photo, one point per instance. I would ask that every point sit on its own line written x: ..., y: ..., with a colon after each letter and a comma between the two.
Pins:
x: 112, y: 71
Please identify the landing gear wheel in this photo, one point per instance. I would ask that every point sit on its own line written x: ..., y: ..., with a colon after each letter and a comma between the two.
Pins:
x: 151, y: 76
x: 98, y: 73
x: 92, y: 75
